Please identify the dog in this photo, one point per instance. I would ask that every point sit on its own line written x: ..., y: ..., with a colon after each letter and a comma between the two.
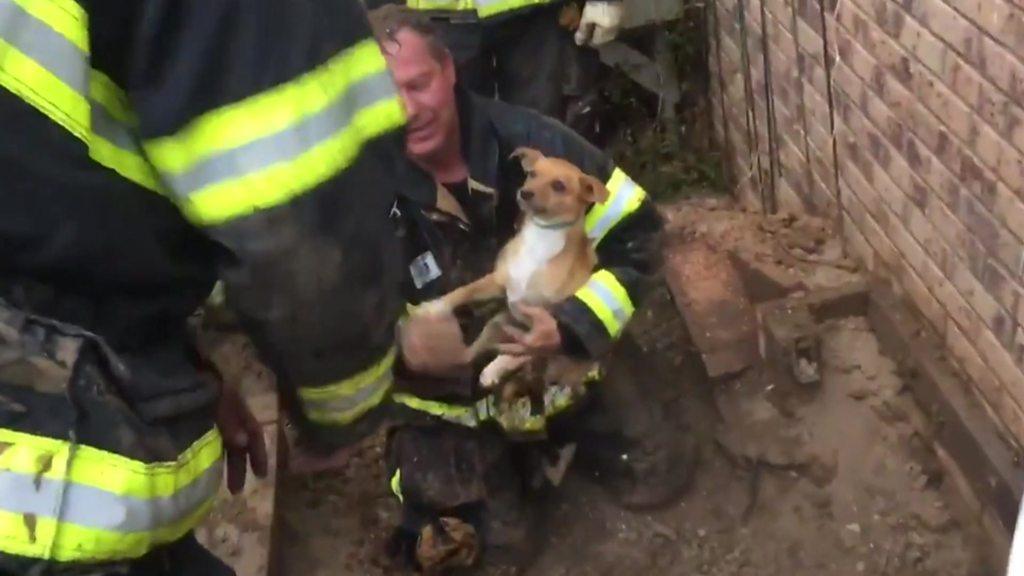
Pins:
x: 549, y: 259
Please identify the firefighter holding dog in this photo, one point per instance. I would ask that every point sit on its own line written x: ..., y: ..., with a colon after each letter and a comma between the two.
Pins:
x: 463, y: 484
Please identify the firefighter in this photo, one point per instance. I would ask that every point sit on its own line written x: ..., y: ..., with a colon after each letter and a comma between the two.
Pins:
x: 516, y: 50
x: 463, y: 484
x: 147, y: 148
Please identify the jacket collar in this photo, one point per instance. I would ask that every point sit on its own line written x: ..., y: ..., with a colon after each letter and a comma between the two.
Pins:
x: 479, y: 141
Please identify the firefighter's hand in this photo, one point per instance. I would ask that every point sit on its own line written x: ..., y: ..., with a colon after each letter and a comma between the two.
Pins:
x: 243, y: 439
x: 433, y: 345
x: 599, y: 23
x: 542, y: 339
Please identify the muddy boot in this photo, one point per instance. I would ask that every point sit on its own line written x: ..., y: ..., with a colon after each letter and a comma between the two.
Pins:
x: 446, y: 545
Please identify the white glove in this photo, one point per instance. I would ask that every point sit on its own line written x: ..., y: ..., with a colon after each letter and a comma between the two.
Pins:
x: 599, y: 23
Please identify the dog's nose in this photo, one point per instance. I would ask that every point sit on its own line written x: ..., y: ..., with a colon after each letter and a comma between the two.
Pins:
x: 525, y: 194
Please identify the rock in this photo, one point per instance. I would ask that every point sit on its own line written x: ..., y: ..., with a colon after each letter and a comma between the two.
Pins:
x: 935, y: 518
x: 850, y: 537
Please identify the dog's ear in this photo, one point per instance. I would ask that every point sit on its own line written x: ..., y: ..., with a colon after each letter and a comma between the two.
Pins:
x: 527, y: 156
x: 593, y: 190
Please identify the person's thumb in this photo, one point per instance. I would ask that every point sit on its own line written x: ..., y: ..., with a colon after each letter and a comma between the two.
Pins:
x: 583, y: 34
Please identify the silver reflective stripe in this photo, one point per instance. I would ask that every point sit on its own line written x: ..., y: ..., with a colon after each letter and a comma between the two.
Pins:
x: 287, y: 144
x: 613, y: 212
x: 44, y: 45
x: 96, y: 508
x: 610, y: 300
x: 347, y: 404
x: 107, y: 127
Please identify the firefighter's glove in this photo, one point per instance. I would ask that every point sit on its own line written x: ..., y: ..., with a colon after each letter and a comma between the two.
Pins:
x: 599, y: 23
x: 243, y: 439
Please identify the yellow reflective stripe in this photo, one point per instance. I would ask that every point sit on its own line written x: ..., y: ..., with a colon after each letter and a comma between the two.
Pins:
x: 128, y: 164
x: 489, y: 8
x: 441, y: 4
x: 105, y: 92
x: 266, y: 113
x: 48, y: 67
x: 28, y: 454
x: 625, y: 197
x: 608, y: 299
x: 46, y: 538
x: 280, y: 183
x: 65, y: 16
x: 43, y: 90
x: 396, y: 485
x: 346, y: 401
x: 454, y: 413
x: 351, y: 385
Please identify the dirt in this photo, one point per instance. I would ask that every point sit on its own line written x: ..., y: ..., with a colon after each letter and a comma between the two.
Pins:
x: 837, y: 479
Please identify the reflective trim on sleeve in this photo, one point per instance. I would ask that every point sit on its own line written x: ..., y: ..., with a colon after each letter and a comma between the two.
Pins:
x: 46, y: 63
x: 608, y: 299
x: 267, y: 149
x: 114, y: 141
x: 73, y: 503
x: 66, y: 17
x: 625, y: 196
x: 44, y: 68
x: 344, y: 402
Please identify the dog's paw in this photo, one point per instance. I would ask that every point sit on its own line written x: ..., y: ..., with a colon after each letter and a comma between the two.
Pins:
x: 491, y: 376
x: 433, y: 308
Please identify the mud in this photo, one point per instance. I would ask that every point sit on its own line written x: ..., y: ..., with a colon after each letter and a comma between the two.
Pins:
x: 833, y: 480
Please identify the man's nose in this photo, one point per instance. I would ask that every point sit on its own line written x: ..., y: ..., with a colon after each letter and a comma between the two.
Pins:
x: 525, y: 194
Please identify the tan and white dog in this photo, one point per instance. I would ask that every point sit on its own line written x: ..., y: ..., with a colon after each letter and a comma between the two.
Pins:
x: 548, y: 260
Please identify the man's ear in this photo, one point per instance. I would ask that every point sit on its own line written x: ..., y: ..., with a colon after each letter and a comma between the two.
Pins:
x: 593, y: 190
x: 527, y: 156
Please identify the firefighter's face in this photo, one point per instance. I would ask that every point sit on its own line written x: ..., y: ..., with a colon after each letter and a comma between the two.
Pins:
x: 427, y: 88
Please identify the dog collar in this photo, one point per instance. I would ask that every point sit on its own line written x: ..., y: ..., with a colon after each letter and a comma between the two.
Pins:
x: 553, y: 225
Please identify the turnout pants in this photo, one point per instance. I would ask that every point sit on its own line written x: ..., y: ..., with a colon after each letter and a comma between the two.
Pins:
x: 101, y: 472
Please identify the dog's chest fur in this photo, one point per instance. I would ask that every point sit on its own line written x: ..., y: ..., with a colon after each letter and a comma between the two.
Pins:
x: 537, y: 246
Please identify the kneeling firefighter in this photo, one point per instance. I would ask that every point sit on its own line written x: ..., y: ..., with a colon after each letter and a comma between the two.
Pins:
x: 455, y: 460
x: 147, y: 147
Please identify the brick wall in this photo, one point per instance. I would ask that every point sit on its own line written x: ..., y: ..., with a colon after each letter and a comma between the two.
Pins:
x: 904, y: 122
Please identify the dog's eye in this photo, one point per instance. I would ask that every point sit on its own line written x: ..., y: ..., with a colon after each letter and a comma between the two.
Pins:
x: 531, y: 174
x: 558, y: 186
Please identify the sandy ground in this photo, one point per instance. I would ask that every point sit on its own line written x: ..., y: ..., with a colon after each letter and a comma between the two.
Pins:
x: 834, y: 480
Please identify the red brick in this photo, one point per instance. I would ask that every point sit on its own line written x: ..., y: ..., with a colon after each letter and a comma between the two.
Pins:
x: 999, y: 240
x: 1001, y: 19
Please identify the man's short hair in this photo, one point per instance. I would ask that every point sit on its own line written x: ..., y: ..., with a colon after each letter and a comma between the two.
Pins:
x: 390, y: 19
